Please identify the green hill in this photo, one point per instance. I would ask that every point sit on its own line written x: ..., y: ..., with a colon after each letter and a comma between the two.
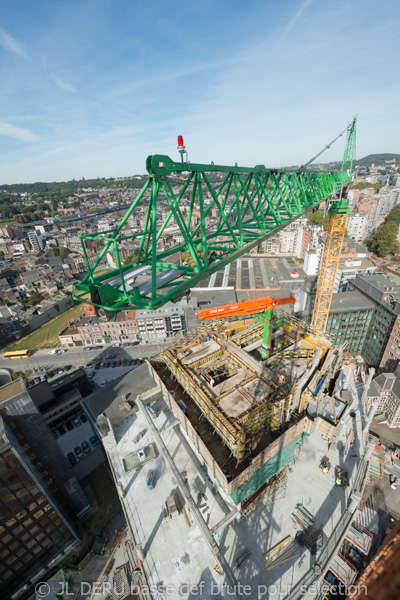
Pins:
x: 377, y: 159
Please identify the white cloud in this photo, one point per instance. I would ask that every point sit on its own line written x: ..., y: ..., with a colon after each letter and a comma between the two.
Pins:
x: 297, y: 16
x: 64, y: 85
x: 17, y: 133
x: 11, y: 44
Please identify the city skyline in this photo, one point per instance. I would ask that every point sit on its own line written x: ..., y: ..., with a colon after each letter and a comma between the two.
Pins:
x: 90, y: 91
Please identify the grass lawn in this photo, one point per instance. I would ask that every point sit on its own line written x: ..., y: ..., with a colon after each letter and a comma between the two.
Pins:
x: 101, y: 271
x: 47, y: 335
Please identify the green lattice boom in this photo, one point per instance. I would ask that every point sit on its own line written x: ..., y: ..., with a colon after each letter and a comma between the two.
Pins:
x: 248, y: 205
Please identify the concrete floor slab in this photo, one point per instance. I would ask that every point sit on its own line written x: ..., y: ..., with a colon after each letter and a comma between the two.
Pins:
x: 178, y: 555
x: 175, y: 553
x: 198, y: 352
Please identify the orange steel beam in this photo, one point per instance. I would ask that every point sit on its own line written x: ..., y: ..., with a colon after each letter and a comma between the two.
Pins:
x: 244, y: 308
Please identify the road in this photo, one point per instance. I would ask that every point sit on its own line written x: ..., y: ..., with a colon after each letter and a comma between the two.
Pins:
x: 41, y: 360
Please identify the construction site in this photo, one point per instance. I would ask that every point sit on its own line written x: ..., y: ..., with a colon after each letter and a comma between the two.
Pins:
x: 253, y: 437
x: 245, y: 415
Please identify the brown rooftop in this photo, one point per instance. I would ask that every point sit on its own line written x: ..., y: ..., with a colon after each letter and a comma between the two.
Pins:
x: 12, y: 389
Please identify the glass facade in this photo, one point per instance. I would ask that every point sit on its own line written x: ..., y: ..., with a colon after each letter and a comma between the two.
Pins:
x: 32, y: 532
x: 351, y: 327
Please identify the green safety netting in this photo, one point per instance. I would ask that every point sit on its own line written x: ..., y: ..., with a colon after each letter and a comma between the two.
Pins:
x: 272, y: 466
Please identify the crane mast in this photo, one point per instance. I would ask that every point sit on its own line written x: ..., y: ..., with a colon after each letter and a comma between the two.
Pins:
x: 338, y: 213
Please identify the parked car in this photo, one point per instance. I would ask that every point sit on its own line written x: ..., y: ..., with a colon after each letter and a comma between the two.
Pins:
x: 42, y: 378
x: 102, y: 365
x: 86, y: 349
x: 83, y: 418
x: 106, y: 365
x: 125, y: 345
x: 150, y: 479
x: 97, y: 366
x: 89, y: 365
x: 103, y: 383
x: 67, y: 367
x: 93, y: 441
x: 91, y: 375
x: 54, y: 433
x: 113, y: 364
x: 36, y: 380
x: 111, y: 356
x: 85, y: 446
x: 61, y: 430
x: 71, y: 458
x: 76, y: 422
x: 124, y: 363
x: 52, y: 352
x: 132, y: 362
x: 78, y: 451
x: 115, y: 345
x: 60, y: 370
x: 119, y: 363
x: 142, y: 343
x: 69, y: 425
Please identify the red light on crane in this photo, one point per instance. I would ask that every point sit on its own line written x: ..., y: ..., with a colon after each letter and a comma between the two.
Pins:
x: 180, y: 141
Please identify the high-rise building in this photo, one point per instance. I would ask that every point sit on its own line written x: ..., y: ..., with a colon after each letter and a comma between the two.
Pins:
x: 35, y: 531
x: 36, y: 240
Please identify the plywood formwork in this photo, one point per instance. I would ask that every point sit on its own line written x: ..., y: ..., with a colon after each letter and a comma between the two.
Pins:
x: 242, y: 481
x: 241, y: 415
x: 237, y: 393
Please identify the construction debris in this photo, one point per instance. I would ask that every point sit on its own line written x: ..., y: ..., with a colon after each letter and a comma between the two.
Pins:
x: 240, y: 560
x: 302, y: 518
x: 280, y: 553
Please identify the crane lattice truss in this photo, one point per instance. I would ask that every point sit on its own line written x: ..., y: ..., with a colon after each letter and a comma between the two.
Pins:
x: 337, y: 222
x: 222, y: 222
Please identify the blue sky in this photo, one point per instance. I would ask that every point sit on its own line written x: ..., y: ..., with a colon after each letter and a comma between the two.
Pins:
x: 92, y: 87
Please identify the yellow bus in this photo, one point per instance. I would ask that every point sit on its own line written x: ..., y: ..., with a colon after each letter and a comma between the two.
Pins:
x: 18, y: 354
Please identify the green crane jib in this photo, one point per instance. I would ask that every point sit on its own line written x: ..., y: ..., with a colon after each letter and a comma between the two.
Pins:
x: 222, y: 220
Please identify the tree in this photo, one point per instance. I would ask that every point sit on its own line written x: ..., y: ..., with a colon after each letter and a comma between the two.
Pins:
x: 55, y: 251
x: 384, y: 241
x: 1, y: 255
x: 317, y: 217
x: 64, y: 252
x: 131, y: 258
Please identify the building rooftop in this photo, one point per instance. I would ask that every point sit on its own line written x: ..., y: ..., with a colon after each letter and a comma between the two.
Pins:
x: 9, y: 390
x: 175, y: 549
x: 350, y: 301
x: 253, y: 272
x: 108, y: 400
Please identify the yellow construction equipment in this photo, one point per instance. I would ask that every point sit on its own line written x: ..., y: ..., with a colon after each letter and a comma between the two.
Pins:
x: 337, y: 222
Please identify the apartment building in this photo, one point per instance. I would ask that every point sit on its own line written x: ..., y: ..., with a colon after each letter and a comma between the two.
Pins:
x: 385, y: 392
x: 313, y: 254
x: 350, y: 318
x: 127, y: 326
x: 348, y: 270
x: 357, y: 225
x: 35, y: 240
x: 385, y: 323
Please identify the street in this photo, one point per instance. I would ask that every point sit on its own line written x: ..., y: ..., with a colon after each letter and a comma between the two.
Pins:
x: 41, y: 361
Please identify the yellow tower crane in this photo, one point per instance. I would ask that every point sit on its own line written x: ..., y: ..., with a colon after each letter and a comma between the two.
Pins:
x: 338, y: 213
x: 337, y: 222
